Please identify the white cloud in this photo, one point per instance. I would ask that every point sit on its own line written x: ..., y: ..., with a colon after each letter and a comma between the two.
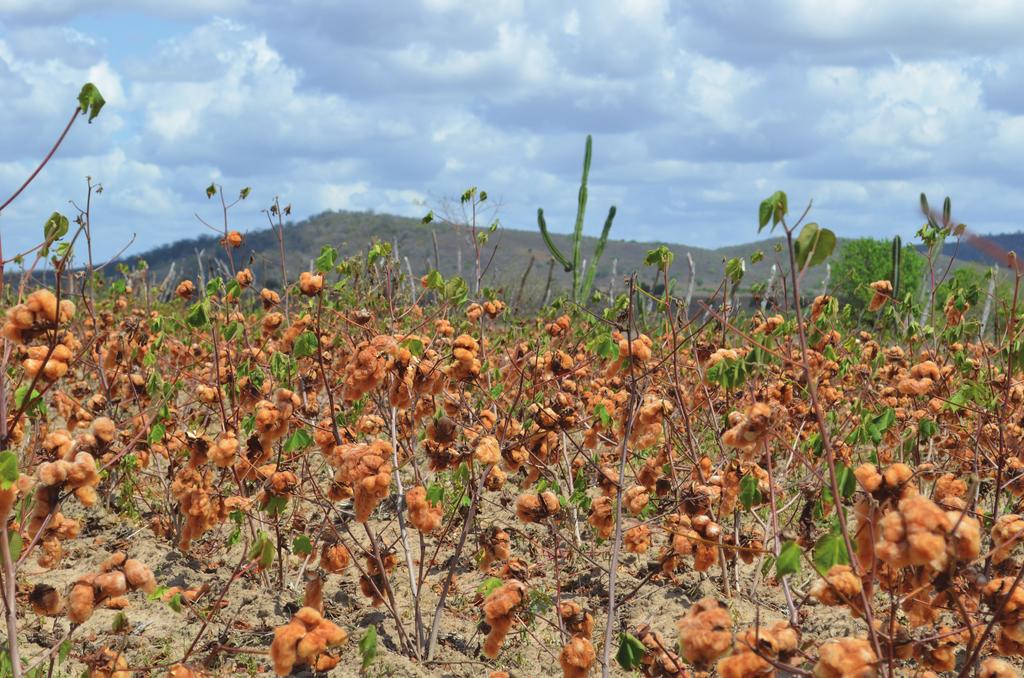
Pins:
x: 695, y: 109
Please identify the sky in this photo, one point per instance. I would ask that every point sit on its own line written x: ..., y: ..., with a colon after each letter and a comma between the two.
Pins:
x: 698, y: 111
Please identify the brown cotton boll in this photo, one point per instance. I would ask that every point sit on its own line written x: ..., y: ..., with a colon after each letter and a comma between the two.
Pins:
x: 86, y: 495
x: 139, y: 576
x: 744, y: 664
x: 311, y: 283
x: 635, y: 499
x: 496, y: 545
x: 993, y: 667
x: 495, y: 479
x: 334, y: 558
x: 269, y: 298
x: 52, y: 473
x: 577, y: 657
x: 841, y: 586
x: 373, y: 588
x: 1011, y: 617
x: 499, y: 608
x: 43, y: 302
x: 182, y: 671
x: 117, y: 603
x: 223, y: 453
x: 965, y: 541
x: 313, y: 596
x: 914, y: 535
x: 83, y: 471
x: 846, y: 658
x: 538, y: 507
x: 948, y: 486
x: 423, y: 515
x: 882, y: 293
x: 107, y: 663
x: 576, y: 620
x: 498, y: 674
x: 233, y: 239
x: 81, y: 602
x: 185, y: 289
x: 748, y: 428
x: 1007, y: 534
x: 45, y: 600
x: 310, y: 646
x: 283, y: 649
x: 104, y: 429
x: 487, y: 451
x: 915, y: 387
x: 705, y: 632
x: 333, y: 634
x: 778, y: 640
x: 244, y: 277
x: 115, y: 561
x: 111, y: 584
x: 637, y: 539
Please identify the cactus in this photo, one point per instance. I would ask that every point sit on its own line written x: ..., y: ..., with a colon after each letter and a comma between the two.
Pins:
x: 580, y: 287
x: 897, y: 261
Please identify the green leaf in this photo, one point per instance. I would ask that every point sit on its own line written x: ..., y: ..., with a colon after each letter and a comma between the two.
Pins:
x: 414, y: 345
x: 604, y: 346
x: 735, y: 268
x: 231, y: 331
x: 16, y: 543
x: 813, y: 246
x: 435, y: 281
x: 602, y: 413
x: 156, y: 434
x: 36, y: 405
x: 488, y: 586
x: 379, y: 250
x: 211, y: 190
x: 661, y: 257
x: 830, y: 550
x: 119, y: 623
x: 282, y: 367
x: 772, y: 209
x: 631, y: 652
x: 328, y: 256
x: 456, y: 291
x: 302, y: 546
x: 299, y: 440
x: 244, y: 193
x: 262, y: 550
x: 305, y: 345
x: 749, y: 494
x: 157, y: 593
x: 846, y: 480
x: 197, y: 316
x: 64, y: 652
x: 789, y: 559
x: 175, y: 601
x: 368, y: 646
x: 90, y: 100
x: 56, y: 227
x: 8, y: 470
x: 435, y: 494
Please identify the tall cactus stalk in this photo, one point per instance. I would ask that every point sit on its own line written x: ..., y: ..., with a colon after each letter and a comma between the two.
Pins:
x: 581, y: 286
x: 691, y: 280
x: 989, y: 296
x: 897, y: 261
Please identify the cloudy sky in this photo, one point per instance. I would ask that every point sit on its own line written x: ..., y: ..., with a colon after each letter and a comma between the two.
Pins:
x: 698, y: 110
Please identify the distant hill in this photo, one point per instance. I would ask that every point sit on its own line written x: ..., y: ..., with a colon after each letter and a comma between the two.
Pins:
x: 354, y: 232
x: 1010, y: 242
